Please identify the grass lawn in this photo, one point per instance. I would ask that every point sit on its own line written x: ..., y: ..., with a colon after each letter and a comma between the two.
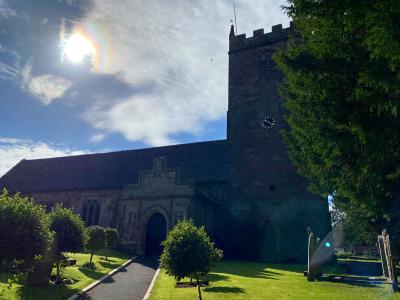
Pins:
x: 247, y: 280
x: 82, y: 277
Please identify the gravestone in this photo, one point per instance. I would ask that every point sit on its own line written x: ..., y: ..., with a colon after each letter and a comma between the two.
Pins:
x: 389, y: 270
x: 313, y: 266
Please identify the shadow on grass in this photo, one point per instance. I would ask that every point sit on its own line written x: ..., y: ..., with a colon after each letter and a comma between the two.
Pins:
x: 91, y: 273
x: 109, y: 265
x: 214, y: 277
x: 107, y: 260
x: 27, y: 292
x: 353, y: 281
x: 224, y: 289
x: 255, y: 270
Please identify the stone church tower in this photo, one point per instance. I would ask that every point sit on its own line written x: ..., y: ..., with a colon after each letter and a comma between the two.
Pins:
x: 262, y: 181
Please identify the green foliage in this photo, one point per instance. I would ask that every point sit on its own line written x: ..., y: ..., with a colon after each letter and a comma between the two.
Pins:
x: 112, y: 237
x: 95, y: 239
x: 188, y: 251
x: 69, y: 229
x: 24, y: 230
x: 357, y: 229
x: 342, y: 91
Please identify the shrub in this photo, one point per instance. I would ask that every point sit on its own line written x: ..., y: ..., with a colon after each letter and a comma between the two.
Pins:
x: 188, y: 251
x: 69, y: 229
x: 24, y: 230
x: 95, y: 239
x: 112, y: 237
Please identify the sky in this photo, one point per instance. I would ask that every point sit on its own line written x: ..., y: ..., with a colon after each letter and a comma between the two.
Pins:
x: 96, y: 76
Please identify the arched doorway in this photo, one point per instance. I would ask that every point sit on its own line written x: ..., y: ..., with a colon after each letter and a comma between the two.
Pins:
x: 156, y: 232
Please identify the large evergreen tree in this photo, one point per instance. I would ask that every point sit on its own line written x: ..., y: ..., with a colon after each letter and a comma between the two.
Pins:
x: 342, y: 92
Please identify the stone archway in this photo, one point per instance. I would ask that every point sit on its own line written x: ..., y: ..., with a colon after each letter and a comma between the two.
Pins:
x: 156, y: 232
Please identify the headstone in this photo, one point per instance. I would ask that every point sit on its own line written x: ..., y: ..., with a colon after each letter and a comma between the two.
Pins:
x: 313, y: 266
x: 387, y: 260
x: 383, y: 256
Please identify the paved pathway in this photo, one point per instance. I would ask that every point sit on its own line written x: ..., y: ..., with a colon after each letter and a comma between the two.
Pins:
x: 130, y: 283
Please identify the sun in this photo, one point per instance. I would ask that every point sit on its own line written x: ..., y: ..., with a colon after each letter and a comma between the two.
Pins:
x: 77, y: 47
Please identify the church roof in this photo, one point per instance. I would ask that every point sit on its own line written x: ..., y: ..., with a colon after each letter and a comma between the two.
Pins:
x: 204, y: 161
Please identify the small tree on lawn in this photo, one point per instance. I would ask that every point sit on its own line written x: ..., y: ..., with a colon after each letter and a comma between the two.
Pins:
x: 188, y: 251
x: 112, y: 237
x: 95, y: 239
x: 24, y: 231
x: 69, y: 229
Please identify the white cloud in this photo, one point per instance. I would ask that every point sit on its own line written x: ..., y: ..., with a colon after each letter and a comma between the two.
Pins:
x: 6, y: 11
x: 8, y: 72
x: 180, y: 47
x: 46, y: 87
x: 97, y: 138
x: 12, y: 150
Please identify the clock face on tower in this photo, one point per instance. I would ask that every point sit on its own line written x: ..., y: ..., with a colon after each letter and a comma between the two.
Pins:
x: 268, y: 122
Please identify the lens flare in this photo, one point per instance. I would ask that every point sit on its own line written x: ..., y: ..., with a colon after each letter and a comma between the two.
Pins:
x: 88, y: 40
x: 77, y: 47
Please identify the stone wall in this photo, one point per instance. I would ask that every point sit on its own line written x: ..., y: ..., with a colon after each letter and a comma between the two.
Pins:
x: 107, y: 198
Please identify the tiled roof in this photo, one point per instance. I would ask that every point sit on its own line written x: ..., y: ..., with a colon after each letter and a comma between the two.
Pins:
x: 204, y: 161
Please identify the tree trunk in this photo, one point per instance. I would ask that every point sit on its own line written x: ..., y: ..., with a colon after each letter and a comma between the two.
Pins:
x: 91, y: 256
x: 198, y: 286
x: 58, y: 277
x: 191, y: 279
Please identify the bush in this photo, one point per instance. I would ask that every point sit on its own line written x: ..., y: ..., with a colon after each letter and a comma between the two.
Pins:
x: 188, y: 251
x: 69, y: 229
x: 95, y: 239
x: 112, y: 237
x: 24, y: 230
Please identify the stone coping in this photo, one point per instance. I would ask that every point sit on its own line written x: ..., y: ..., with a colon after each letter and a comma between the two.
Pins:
x: 147, y: 295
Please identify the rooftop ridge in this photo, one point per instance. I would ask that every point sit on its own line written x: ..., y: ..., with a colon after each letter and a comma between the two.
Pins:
x: 124, y: 151
x: 277, y: 33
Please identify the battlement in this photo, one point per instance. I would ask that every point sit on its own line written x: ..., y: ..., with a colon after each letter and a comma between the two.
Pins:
x: 259, y: 38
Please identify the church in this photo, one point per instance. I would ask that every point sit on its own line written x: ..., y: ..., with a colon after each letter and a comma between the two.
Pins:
x: 245, y: 179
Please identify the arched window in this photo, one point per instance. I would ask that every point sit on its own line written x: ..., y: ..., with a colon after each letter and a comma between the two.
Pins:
x: 84, y: 213
x: 91, y: 213
x: 89, y: 220
x: 96, y: 214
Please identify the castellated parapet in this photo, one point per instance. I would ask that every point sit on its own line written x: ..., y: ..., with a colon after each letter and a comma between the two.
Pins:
x: 259, y: 38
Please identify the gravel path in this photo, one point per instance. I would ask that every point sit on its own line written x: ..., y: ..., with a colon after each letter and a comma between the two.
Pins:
x: 130, y: 283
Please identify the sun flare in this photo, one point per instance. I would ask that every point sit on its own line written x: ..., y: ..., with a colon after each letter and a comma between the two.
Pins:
x: 77, y: 47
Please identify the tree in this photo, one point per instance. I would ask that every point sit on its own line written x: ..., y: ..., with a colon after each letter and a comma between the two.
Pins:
x: 112, y: 237
x: 69, y: 229
x: 95, y: 239
x: 24, y: 231
x: 342, y: 91
x: 355, y: 228
x: 188, y: 251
